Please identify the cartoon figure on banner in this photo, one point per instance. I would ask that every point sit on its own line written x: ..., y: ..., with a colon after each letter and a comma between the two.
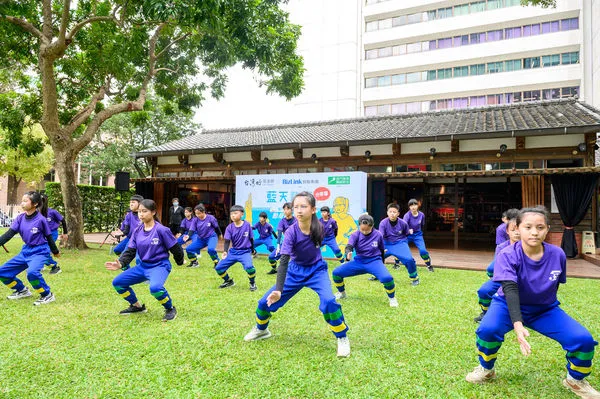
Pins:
x: 345, y: 221
x: 248, y: 209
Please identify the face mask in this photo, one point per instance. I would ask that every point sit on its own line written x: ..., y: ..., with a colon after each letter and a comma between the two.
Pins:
x: 175, y: 203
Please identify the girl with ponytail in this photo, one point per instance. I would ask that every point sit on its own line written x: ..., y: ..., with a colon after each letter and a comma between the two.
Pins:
x: 301, y: 265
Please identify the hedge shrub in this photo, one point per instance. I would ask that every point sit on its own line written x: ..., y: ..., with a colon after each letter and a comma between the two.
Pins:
x: 100, y: 205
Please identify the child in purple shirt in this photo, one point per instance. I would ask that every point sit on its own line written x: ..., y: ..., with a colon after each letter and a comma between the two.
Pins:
x: 239, y: 235
x: 207, y: 236
x: 530, y: 272
x: 285, y: 223
x: 370, y: 255
x: 55, y: 220
x: 265, y: 231
x: 395, y: 231
x: 416, y: 222
x: 330, y: 232
x: 185, y: 225
x: 153, y: 242
x: 33, y: 228
x: 302, y: 252
x: 130, y: 222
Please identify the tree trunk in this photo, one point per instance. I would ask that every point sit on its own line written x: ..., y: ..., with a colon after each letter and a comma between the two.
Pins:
x: 71, y: 198
x: 13, y: 190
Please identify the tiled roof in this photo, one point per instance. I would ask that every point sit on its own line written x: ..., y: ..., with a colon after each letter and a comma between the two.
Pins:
x: 545, y: 117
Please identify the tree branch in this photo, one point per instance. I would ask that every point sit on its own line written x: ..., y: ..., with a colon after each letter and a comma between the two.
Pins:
x: 85, y: 113
x: 64, y: 21
x: 166, y: 69
x: 25, y: 25
x: 171, y: 44
x: 47, y: 19
x: 85, y: 22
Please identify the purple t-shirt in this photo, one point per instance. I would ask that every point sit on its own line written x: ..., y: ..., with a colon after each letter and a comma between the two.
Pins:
x: 285, y: 224
x: 186, y: 224
x: 393, y: 234
x: 239, y: 236
x: 368, y: 246
x: 300, y: 247
x: 416, y: 223
x: 537, y: 280
x: 152, y: 246
x: 54, y: 218
x: 500, y: 247
x: 264, y: 230
x: 33, y: 230
x: 501, y: 234
x: 329, y: 227
x: 205, y: 228
x: 132, y: 220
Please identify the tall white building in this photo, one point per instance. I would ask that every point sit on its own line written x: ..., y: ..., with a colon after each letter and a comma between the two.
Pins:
x: 381, y: 57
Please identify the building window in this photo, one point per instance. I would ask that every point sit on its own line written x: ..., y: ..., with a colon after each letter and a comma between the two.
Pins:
x: 550, y: 60
x: 531, y: 62
x: 399, y: 50
x: 372, y: 26
x: 533, y: 95
x: 370, y: 82
x: 413, y: 77
x: 371, y: 111
x: 570, y: 91
x: 512, y: 33
x: 413, y: 47
x: 512, y: 65
x: 570, y: 58
x: 398, y: 79
x: 444, y: 43
x: 494, y: 35
x: 495, y: 67
x: 399, y: 21
x: 462, y: 102
x: 494, y: 4
x: 549, y: 27
x: 444, y: 12
x: 551, y: 94
x: 475, y: 38
x: 431, y: 75
x: 384, y: 81
x: 477, y: 6
x: 398, y: 109
x: 444, y: 73
x: 531, y: 30
x: 460, y: 40
x: 383, y: 109
x: 478, y: 69
x: 461, y: 71
x: 371, y: 54
x: 477, y: 101
x: 415, y: 18
x: 461, y: 10
x: 569, y: 24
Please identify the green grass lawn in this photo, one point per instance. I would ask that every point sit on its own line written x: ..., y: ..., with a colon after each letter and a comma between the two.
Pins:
x: 79, y: 346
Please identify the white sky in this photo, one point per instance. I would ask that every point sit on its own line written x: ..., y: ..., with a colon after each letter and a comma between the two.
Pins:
x: 244, y: 104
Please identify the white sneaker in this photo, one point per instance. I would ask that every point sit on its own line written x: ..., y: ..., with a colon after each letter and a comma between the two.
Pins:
x: 255, y: 334
x: 480, y: 375
x: 24, y: 293
x: 581, y: 388
x: 343, y: 349
x: 43, y: 300
x: 393, y: 302
x: 340, y: 295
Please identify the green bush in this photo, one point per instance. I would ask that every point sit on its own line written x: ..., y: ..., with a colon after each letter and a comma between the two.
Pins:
x: 100, y: 205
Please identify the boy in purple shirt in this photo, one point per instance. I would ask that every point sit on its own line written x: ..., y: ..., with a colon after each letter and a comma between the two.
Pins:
x: 370, y: 255
x: 302, y: 251
x: 265, y: 231
x: 153, y: 242
x: 416, y: 222
x: 33, y: 228
x: 395, y: 231
x: 330, y: 232
x: 530, y: 272
x: 239, y: 235
x: 501, y: 234
x: 130, y: 222
x: 284, y: 224
x: 207, y: 236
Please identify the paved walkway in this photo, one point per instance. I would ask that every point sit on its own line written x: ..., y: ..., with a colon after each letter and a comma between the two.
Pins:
x: 442, y: 258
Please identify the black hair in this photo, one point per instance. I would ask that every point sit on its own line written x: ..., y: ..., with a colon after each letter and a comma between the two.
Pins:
x: 263, y: 215
x: 200, y: 208
x: 325, y: 209
x: 175, y: 199
x: 413, y: 201
x: 395, y: 206
x: 539, y: 209
x: 189, y: 209
x: 44, y: 205
x: 151, y: 206
x: 366, y: 218
x: 237, y: 208
x: 137, y: 198
x: 289, y: 204
x: 504, y: 215
x: 37, y: 199
x: 316, y: 230
x: 511, y: 213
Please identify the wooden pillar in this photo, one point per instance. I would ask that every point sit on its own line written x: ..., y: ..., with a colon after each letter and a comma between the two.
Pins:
x: 159, y: 190
x: 532, y: 190
x: 456, y: 213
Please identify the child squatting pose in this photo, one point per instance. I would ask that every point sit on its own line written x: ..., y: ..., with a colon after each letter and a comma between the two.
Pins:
x: 301, y: 265
x: 530, y: 272
x: 239, y: 235
x: 33, y: 228
x: 370, y: 255
x: 152, y: 241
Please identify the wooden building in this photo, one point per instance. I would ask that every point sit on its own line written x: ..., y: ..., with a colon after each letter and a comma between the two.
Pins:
x: 465, y: 166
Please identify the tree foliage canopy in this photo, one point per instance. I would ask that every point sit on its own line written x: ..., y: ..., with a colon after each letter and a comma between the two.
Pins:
x: 542, y: 3
x: 23, y: 165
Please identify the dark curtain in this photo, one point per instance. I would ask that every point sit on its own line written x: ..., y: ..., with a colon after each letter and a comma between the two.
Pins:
x: 573, y: 193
